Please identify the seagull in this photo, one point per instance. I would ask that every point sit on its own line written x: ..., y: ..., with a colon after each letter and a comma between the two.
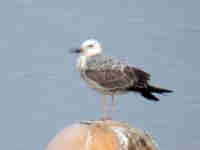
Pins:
x: 110, y: 76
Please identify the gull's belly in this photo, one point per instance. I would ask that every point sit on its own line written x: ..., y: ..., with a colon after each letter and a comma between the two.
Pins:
x: 105, y: 91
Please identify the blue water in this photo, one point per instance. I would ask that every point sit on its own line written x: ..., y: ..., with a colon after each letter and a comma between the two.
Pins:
x: 41, y: 91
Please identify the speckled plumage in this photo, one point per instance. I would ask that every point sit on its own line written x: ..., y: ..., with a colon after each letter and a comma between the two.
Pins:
x: 110, y: 77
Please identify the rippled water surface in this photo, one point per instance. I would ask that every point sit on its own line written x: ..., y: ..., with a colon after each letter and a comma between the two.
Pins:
x: 41, y: 91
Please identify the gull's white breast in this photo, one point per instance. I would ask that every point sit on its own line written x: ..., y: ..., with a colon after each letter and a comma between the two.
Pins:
x: 81, y: 63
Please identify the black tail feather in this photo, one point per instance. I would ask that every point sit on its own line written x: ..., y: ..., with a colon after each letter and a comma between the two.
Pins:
x: 148, y: 91
x: 158, y: 90
x: 150, y: 96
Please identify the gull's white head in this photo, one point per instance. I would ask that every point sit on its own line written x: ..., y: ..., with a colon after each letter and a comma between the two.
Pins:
x: 89, y: 47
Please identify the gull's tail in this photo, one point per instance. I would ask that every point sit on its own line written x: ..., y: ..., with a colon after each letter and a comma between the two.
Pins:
x: 148, y: 92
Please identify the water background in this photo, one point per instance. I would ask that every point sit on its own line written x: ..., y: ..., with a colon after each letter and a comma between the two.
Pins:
x: 41, y: 91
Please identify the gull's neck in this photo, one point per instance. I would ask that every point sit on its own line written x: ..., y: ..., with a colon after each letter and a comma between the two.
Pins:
x: 92, y: 52
x: 81, y: 62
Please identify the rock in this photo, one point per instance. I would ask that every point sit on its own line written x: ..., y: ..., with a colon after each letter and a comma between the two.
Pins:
x: 102, y: 135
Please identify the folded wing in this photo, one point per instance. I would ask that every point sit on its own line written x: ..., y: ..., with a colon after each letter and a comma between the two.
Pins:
x: 118, y: 78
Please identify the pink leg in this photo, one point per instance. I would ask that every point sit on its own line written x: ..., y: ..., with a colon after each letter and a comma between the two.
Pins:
x: 104, y: 116
x: 112, y: 107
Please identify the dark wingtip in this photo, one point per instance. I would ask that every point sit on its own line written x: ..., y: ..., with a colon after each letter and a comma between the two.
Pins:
x: 159, y: 90
x: 170, y: 91
x: 150, y: 96
x: 166, y: 90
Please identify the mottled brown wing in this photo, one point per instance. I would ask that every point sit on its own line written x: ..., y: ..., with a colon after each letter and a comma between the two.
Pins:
x: 141, y: 78
x: 110, y: 78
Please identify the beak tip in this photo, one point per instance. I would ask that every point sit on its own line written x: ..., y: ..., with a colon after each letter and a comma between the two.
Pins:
x: 75, y: 50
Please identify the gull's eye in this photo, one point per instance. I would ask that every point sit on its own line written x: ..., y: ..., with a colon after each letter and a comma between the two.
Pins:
x: 90, y: 45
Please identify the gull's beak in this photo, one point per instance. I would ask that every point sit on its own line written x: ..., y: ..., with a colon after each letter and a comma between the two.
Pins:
x: 76, y: 50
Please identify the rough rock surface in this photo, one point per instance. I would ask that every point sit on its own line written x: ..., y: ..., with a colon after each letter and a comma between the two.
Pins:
x: 102, y: 135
